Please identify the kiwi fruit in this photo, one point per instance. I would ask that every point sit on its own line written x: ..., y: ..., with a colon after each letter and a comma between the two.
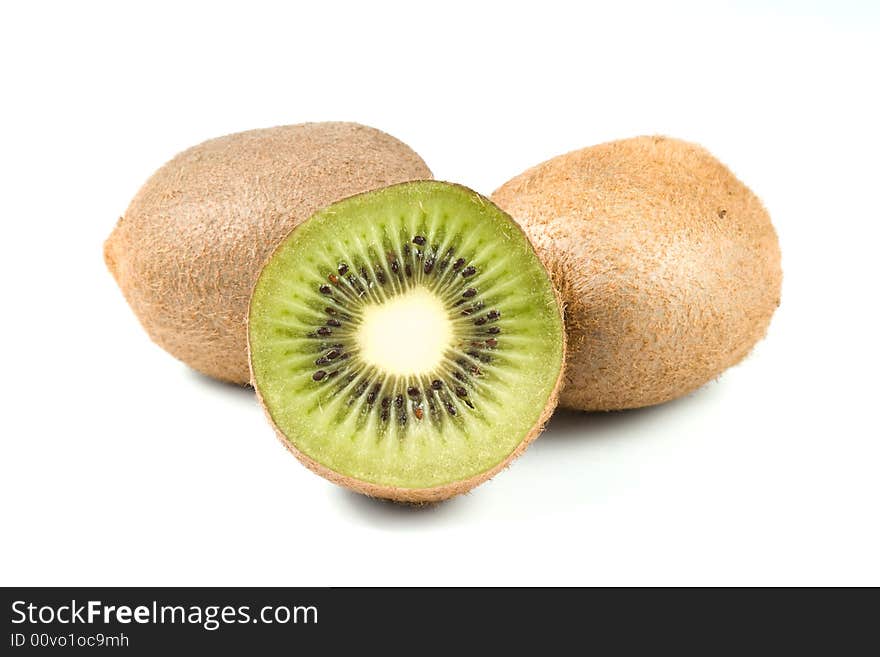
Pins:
x: 668, y: 266
x: 407, y: 342
x: 189, y: 247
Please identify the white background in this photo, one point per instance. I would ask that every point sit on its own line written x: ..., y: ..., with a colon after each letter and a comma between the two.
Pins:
x: 120, y: 466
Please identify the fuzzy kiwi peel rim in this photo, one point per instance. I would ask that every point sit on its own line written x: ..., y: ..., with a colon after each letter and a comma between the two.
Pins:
x: 406, y: 343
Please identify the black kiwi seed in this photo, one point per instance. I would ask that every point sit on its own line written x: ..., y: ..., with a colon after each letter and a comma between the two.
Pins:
x: 429, y: 265
x: 473, y: 354
x: 330, y: 311
x: 450, y: 408
x: 493, y: 314
x: 372, y: 396
x: 468, y: 402
x: 320, y: 374
x: 325, y: 289
x: 345, y: 356
x: 386, y: 402
x: 333, y: 322
x: 322, y: 361
x: 356, y: 284
x: 458, y: 264
x: 492, y: 342
x: 413, y: 392
x: 408, y: 270
x: 458, y: 375
x: 467, y: 311
x: 436, y: 384
x: 493, y: 330
x: 418, y: 239
x: 342, y: 269
x: 324, y: 331
x: 480, y: 321
x: 395, y: 266
x: 406, y: 249
x: 470, y: 271
x: 461, y: 392
x: 380, y: 275
x: 332, y: 374
x: 468, y: 293
x: 443, y: 265
x: 333, y: 353
x: 398, y: 401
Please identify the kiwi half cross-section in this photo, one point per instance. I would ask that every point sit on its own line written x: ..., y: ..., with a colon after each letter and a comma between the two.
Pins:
x: 407, y: 342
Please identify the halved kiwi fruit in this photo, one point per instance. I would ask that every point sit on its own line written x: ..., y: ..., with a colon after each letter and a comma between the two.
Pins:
x: 406, y: 343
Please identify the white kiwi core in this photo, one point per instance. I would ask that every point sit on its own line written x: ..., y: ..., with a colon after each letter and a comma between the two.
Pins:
x: 407, y: 334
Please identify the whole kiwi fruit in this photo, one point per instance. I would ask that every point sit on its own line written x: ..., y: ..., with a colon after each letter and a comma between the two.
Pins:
x: 668, y: 265
x: 188, y: 250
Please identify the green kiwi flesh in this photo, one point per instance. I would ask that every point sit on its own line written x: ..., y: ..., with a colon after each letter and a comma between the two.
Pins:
x: 406, y: 342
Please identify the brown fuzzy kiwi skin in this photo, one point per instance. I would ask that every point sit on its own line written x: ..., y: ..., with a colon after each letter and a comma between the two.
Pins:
x: 419, y: 496
x: 187, y: 252
x: 668, y: 265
